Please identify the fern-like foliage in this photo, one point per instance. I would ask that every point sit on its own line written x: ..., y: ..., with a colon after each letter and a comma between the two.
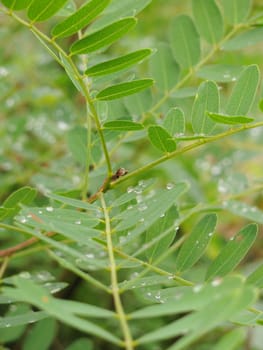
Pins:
x: 141, y: 248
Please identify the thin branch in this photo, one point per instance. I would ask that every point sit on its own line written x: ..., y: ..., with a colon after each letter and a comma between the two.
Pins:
x: 128, y: 342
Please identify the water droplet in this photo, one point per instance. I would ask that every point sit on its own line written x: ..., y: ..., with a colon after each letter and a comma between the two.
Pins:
x: 122, y: 239
x: 7, y: 325
x: 142, y: 207
x: 210, y: 234
x: 40, y: 212
x: 138, y: 190
x: 133, y: 287
x: 222, y: 186
x: 253, y: 209
x: 232, y: 238
x: 234, y: 79
x: 23, y: 220
x: 162, y: 215
x: 78, y: 222
x: 139, y: 199
x: 90, y: 256
x: 130, y: 189
x: 129, y: 207
x: 62, y: 125
x: 3, y: 72
x: 141, y: 220
x: 143, y: 284
x: 32, y: 321
x: 29, y: 216
x: 157, y: 297
x: 169, y: 186
x: 170, y: 277
x: 149, y: 294
x: 44, y: 276
x: 50, y: 209
x: 226, y: 76
x: 197, y: 288
x: 141, y: 183
x: 216, y: 282
x: 25, y: 274
x: 197, y: 242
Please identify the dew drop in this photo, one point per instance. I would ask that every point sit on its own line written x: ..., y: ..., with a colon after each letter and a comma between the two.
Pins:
x: 130, y: 189
x: 142, y: 207
x: 197, y: 288
x: 157, y: 297
x: 149, y: 294
x: 23, y: 220
x: 25, y: 274
x: 169, y: 186
x: 141, y: 220
x: 78, y: 222
x: 129, y: 207
x: 210, y: 234
x: 232, y: 238
x: 50, y: 209
x: 90, y: 256
x: 40, y: 212
x: 143, y: 284
x: 162, y: 215
x: 216, y: 282
x: 7, y: 325
x: 170, y: 277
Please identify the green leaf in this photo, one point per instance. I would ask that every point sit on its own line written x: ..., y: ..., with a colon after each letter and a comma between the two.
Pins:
x: 77, y: 143
x: 146, y: 213
x: 81, y: 344
x: 220, y: 72
x: 185, y: 41
x: 232, y: 340
x: 71, y: 73
x: 28, y: 291
x: 124, y: 89
x: 196, y: 324
x: 81, y: 18
x: 73, y: 224
x: 256, y: 277
x: 206, y: 100
x: 244, y: 92
x: 163, y: 68
x: 123, y: 125
x: 16, y: 4
x: 41, y: 10
x: 25, y: 195
x: 195, y: 245
x: 236, y: 11
x: 161, y: 139
x: 208, y: 20
x: 118, y: 64
x: 103, y: 37
x: 26, y: 318
x: 174, y: 122
x: 139, y: 103
x: 165, y: 224
x: 228, y: 119
x: 184, y: 299
x: 119, y: 9
x: 72, y: 202
x: 41, y: 335
x: 245, y: 39
x: 233, y: 252
x: 146, y: 282
x: 244, y: 210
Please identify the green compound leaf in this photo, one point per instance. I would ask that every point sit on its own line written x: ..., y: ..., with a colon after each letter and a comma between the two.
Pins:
x: 118, y: 64
x: 195, y: 245
x: 79, y: 19
x: 161, y: 139
x: 103, y: 37
x: 40, y: 10
x: 244, y: 92
x: 206, y: 100
x: 208, y: 20
x: 227, y: 119
x: 236, y: 11
x: 163, y: 68
x: 185, y: 41
x: 174, y: 122
x: 16, y: 4
x: 72, y: 202
x: 124, y: 89
x: 122, y: 125
x: 30, y: 292
x: 233, y: 252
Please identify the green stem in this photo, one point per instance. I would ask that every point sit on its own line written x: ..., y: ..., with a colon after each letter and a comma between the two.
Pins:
x: 128, y: 342
x: 185, y: 149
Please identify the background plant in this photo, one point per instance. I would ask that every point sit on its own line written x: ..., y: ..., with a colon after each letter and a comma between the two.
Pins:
x: 109, y: 200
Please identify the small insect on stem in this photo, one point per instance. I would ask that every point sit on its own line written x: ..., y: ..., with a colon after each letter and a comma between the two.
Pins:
x: 120, y: 172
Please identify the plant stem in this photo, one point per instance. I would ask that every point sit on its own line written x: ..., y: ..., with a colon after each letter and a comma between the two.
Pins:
x: 185, y: 149
x: 128, y: 342
x: 3, y: 267
x: 80, y: 78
